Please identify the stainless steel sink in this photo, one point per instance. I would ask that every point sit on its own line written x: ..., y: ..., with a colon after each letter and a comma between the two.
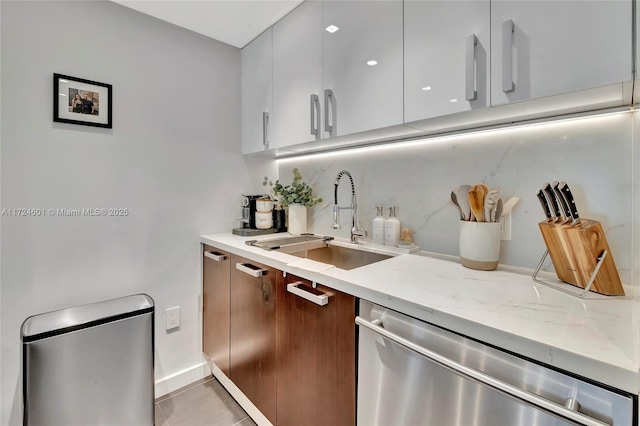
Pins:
x: 341, y: 257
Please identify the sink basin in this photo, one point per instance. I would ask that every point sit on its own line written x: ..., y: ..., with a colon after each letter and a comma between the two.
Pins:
x: 341, y: 257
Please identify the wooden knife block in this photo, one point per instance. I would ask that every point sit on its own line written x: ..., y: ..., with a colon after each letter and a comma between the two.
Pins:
x: 574, y: 251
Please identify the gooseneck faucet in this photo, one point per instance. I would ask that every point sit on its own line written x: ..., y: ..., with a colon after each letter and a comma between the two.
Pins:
x: 356, y: 232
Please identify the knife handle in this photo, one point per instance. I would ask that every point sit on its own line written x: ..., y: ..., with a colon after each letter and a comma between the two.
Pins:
x: 571, y: 203
x: 544, y: 204
x: 566, y: 211
x: 553, y: 204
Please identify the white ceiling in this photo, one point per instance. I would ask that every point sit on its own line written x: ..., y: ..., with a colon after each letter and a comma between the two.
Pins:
x: 236, y: 22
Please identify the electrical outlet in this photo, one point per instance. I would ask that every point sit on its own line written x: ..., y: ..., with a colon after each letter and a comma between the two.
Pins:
x: 172, y: 318
x: 505, y: 227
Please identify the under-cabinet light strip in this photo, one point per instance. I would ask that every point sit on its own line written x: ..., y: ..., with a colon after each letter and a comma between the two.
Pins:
x: 414, y: 141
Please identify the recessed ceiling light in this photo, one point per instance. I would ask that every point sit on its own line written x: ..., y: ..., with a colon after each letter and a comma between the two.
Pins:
x: 426, y: 88
x: 332, y: 29
x: 453, y: 100
x: 372, y: 63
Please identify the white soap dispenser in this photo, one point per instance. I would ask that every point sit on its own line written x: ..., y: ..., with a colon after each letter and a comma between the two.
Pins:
x: 392, y: 229
x: 378, y: 227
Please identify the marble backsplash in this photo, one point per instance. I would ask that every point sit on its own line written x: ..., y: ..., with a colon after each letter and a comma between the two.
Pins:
x: 594, y: 155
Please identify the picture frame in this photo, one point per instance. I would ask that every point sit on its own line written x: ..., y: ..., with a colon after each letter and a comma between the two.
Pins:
x: 81, y: 101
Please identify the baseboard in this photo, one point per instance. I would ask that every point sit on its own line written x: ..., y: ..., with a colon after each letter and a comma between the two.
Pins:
x: 182, y: 378
x: 253, y: 412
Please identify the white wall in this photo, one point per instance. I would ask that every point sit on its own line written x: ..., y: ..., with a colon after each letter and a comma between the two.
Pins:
x: 172, y: 158
x: 593, y: 155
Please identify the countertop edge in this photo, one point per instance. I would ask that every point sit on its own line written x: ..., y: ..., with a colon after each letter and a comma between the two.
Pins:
x: 625, y: 379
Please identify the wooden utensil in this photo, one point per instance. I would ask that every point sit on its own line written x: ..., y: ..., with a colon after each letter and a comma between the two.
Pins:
x: 508, y: 206
x: 476, y: 202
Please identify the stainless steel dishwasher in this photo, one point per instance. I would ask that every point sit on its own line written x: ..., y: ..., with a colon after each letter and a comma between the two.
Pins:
x: 90, y: 365
x: 413, y: 373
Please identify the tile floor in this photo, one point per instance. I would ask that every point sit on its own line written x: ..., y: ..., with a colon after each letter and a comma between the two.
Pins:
x: 204, y: 402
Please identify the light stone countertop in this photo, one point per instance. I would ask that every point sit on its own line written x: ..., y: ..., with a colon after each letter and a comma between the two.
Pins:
x: 596, y: 337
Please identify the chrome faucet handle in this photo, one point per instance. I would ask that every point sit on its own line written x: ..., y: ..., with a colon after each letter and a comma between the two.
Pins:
x: 359, y: 228
x: 357, y: 233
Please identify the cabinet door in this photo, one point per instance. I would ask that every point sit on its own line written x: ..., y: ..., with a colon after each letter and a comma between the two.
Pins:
x: 216, y: 304
x: 316, y: 357
x: 636, y: 86
x: 362, y: 65
x: 543, y: 48
x: 253, y: 333
x: 256, y: 93
x: 297, y: 76
x: 446, y: 57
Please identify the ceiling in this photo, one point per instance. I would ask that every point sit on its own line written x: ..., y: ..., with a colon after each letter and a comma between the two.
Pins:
x: 235, y: 22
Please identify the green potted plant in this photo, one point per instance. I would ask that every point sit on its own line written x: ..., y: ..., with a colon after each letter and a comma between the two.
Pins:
x: 297, y: 196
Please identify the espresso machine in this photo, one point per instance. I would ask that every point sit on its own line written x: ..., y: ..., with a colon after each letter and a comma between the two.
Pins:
x: 248, y: 226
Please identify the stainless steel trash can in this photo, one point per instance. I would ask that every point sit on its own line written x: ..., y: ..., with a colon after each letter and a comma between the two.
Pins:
x: 90, y: 365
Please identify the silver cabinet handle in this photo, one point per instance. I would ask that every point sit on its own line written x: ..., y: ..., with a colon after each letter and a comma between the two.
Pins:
x: 215, y: 256
x: 470, y: 75
x: 328, y: 99
x: 507, y: 56
x: 315, y: 115
x: 250, y: 269
x: 318, y: 299
x: 377, y: 327
x: 265, y: 128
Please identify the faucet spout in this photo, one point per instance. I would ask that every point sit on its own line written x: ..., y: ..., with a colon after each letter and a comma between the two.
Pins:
x: 336, y: 217
x: 356, y: 231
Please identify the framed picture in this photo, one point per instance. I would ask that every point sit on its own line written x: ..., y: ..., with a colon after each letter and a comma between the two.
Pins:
x: 80, y: 101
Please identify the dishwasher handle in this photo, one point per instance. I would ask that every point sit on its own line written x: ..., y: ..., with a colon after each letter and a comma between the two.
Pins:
x: 478, y: 376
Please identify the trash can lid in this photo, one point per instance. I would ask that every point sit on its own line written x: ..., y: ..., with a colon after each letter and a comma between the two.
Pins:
x: 78, y: 317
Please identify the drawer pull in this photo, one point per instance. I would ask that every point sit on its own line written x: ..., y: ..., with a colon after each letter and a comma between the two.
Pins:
x: 312, y: 295
x: 265, y: 129
x: 250, y: 269
x: 470, y: 74
x: 329, y: 105
x: 315, y: 116
x: 507, y: 56
x: 218, y: 257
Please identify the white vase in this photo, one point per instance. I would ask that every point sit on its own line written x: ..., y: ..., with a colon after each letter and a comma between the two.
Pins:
x: 297, y: 219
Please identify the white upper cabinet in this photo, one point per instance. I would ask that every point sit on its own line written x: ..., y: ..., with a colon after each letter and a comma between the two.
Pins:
x: 362, y: 65
x: 636, y: 86
x: 297, y: 76
x: 446, y: 57
x: 544, y: 48
x: 256, y: 93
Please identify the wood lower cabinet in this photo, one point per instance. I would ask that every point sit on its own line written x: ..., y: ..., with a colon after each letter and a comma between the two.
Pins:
x: 216, y: 306
x: 253, y: 333
x: 316, y: 357
x: 295, y: 363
